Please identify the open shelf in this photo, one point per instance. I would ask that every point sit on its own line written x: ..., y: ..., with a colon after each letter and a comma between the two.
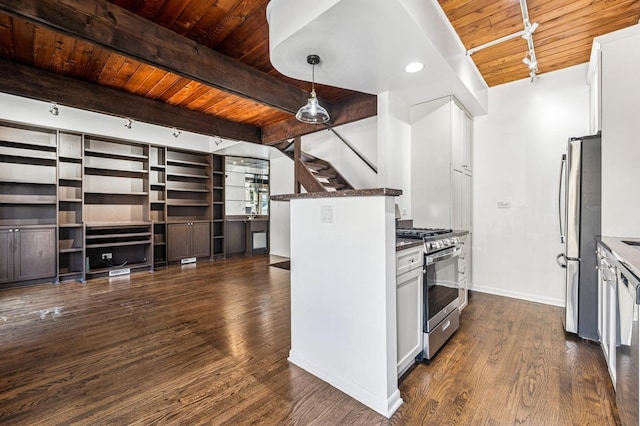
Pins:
x: 114, y: 155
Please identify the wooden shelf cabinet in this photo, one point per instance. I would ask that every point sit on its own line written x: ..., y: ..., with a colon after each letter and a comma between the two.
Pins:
x: 70, y: 205
x: 27, y: 176
x: 118, y: 247
x: 27, y: 254
x: 116, y: 181
x: 188, y: 240
x: 101, y: 204
x: 158, y: 203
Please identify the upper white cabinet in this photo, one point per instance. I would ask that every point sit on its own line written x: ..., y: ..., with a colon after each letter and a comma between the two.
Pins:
x: 460, y: 137
x: 441, y: 166
x: 615, y: 67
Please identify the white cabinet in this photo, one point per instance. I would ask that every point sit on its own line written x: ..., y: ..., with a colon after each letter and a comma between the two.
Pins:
x: 441, y: 169
x: 408, y: 306
x: 607, y: 308
x: 615, y: 68
x: 464, y: 271
x: 461, y: 197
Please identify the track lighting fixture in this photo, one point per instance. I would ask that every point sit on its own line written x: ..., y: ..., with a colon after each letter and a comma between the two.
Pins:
x: 312, y: 112
x: 176, y: 132
x: 128, y: 123
x: 526, y: 33
x: 532, y: 64
x: 53, y: 109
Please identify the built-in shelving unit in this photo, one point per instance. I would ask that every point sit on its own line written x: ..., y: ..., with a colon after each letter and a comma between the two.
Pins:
x: 71, y: 260
x: 28, y: 203
x: 158, y: 203
x: 189, y: 205
x: 103, y: 207
x: 218, y: 197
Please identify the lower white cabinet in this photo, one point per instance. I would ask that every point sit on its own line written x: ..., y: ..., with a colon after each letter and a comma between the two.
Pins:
x: 408, y: 308
x: 607, y: 308
x: 464, y: 271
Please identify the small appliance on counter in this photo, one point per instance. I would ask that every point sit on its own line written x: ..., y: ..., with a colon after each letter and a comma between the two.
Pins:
x: 440, y: 285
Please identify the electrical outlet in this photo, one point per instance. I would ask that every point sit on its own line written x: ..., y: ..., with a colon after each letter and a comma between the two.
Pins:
x: 107, y: 256
x: 504, y: 204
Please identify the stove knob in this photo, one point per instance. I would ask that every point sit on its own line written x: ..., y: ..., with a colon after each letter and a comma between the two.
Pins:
x: 446, y: 242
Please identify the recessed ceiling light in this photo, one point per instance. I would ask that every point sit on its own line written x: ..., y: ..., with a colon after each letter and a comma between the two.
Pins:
x: 414, y: 67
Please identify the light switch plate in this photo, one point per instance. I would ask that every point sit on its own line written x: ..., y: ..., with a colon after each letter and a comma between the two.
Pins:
x: 504, y: 204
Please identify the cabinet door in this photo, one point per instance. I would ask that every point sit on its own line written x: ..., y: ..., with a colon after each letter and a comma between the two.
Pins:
x: 466, y: 141
x: 457, y: 134
x: 408, y: 318
x: 6, y: 255
x: 235, y: 237
x: 178, y: 241
x: 466, y: 202
x: 201, y: 239
x: 35, y: 253
x: 457, y: 177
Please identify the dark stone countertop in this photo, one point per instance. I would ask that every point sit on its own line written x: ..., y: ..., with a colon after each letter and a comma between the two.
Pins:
x: 626, y: 254
x: 335, y: 194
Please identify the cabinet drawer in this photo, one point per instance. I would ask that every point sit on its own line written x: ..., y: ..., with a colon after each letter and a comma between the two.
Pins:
x: 409, y: 259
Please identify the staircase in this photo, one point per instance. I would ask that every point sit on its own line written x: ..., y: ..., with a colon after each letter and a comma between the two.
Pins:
x: 314, y: 174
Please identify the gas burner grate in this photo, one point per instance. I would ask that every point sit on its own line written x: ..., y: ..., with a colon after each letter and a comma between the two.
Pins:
x: 421, y: 233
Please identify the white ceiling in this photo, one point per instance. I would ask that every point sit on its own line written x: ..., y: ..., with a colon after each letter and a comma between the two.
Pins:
x: 364, y: 45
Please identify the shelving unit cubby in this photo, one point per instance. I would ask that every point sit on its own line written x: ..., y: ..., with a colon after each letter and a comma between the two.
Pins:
x: 189, y: 205
x: 158, y: 203
x: 28, y: 200
x: 129, y: 247
x: 218, y: 197
x: 118, y: 229
x: 70, y: 200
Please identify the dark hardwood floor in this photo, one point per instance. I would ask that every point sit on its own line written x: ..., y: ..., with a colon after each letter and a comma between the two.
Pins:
x: 208, y: 344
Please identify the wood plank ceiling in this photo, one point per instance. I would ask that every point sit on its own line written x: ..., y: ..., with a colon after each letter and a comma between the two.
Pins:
x: 563, y: 39
x: 95, y: 44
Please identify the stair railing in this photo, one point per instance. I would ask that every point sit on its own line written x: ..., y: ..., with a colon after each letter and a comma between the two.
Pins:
x: 355, y: 150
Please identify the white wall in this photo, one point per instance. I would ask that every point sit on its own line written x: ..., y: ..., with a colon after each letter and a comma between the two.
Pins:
x: 28, y: 111
x: 517, y: 151
x: 281, y: 182
x: 327, y: 146
x: 394, y: 149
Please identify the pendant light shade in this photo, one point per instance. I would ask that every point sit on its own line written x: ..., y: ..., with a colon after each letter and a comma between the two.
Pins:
x: 312, y: 112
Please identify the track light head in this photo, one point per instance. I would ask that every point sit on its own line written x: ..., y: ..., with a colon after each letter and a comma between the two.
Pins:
x: 176, y: 132
x: 128, y: 123
x: 53, y: 109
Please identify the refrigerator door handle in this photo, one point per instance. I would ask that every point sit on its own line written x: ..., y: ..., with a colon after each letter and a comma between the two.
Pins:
x: 562, y: 265
x: 566, y: 259
x: 562, y: 166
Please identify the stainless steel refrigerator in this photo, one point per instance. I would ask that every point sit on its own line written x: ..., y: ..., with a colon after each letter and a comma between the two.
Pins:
x: 579, y: 216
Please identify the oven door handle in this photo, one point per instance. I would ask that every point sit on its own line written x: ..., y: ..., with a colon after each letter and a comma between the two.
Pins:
x: 430, y: 260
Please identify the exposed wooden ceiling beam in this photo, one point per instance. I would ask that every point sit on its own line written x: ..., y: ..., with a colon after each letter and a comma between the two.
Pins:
x: 32, y: 83
x: 125, y: 33
x: 352, y: 109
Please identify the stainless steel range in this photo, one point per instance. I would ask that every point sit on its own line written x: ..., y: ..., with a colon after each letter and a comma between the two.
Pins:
x: 440, y: 285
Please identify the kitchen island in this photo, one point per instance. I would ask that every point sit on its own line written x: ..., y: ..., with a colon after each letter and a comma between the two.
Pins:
x: 343, y: 292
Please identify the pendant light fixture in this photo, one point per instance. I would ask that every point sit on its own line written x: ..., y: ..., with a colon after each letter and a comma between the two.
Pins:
x: 312, y: 112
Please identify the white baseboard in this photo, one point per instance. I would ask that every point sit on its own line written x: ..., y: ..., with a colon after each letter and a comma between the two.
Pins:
x: 518, y: 295
x: 382, y: 404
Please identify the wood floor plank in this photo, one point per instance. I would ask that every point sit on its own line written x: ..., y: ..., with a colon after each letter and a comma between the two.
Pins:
x: 208, y: 344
